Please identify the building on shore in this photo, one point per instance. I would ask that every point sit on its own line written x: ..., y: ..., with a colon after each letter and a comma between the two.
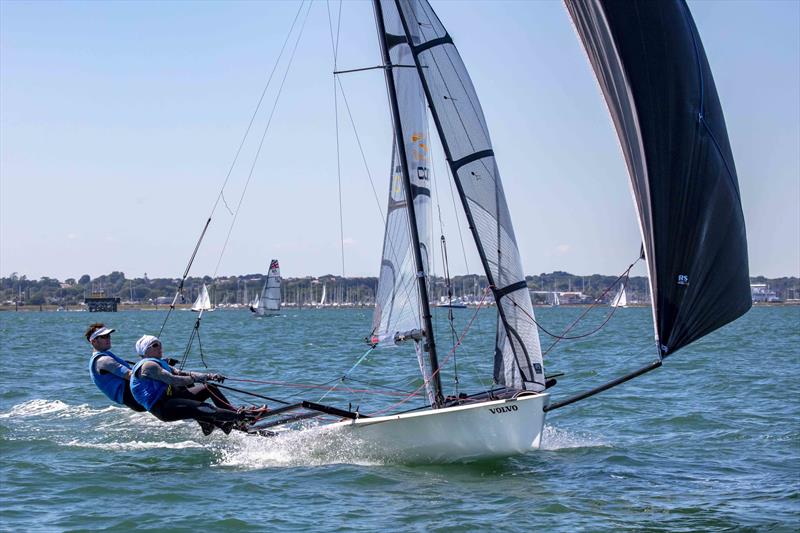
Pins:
x: 761, y: 293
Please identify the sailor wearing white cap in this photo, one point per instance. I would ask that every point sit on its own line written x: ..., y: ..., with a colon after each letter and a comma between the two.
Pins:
x: 172, y: 394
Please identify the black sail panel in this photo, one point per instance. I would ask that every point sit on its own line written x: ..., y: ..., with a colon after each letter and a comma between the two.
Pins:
x: 656, y: 80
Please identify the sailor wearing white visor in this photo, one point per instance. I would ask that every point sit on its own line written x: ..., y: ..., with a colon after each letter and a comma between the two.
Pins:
x: 109, y: 372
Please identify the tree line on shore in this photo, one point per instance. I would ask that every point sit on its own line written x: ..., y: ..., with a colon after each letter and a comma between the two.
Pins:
x: 18, y: 289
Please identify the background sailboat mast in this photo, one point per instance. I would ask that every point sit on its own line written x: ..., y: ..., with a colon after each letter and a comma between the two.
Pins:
x: 429, y: 345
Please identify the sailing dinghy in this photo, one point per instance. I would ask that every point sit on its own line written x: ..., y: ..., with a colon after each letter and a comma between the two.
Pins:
x: 621, y: 298
x: 269, y: 302
x: 657, y: 83
x: 203, y: 302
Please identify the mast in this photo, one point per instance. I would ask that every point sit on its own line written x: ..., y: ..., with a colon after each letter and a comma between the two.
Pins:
x: 429, y: 343
x: 455, y: 165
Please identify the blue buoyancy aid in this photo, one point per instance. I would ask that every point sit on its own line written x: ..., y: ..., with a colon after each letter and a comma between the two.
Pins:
x: 112, y: 385
x: 148, y: 391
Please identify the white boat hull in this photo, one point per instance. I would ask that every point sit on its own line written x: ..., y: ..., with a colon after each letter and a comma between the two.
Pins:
x: 469, y: 432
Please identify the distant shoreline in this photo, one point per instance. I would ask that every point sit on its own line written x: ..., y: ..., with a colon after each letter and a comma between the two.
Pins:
x: 186, y: 307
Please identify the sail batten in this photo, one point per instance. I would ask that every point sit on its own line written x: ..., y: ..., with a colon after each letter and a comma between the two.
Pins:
x: 465, y: 140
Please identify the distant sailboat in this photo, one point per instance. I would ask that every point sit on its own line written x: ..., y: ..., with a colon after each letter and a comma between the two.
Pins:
x: 452, y: 303
x: 621, y: 299
x: 554, y: 301
x: 269, y: 303
x: 203, y: 302
x: 321, y: 303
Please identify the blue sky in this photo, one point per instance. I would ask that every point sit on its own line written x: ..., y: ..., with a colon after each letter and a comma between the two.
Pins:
x: 119, y: 121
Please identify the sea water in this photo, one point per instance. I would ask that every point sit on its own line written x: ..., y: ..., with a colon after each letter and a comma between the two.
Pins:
x: 709, y: 442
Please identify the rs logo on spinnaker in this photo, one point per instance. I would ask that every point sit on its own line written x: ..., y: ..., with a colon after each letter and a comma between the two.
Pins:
x: 504, y: 409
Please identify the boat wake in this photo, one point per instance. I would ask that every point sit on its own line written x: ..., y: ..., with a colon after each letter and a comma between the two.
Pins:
x: 554, y: 438
x: 313, y: 446
x: 119, y: 429
x: 40, y: 408
x: 124, y: 430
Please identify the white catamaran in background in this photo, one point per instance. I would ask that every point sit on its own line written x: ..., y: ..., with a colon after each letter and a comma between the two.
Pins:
x: 269, y: 302
x: 657, y: 83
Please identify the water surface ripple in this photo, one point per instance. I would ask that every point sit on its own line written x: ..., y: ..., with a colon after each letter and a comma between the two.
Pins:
x: 710, y: 442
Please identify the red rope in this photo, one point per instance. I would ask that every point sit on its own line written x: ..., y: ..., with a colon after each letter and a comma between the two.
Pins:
x: 310, y: 386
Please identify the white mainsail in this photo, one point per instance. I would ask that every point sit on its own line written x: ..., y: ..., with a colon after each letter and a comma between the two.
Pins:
x: 465, y: 139
x: 269, y: 303
x: 621, y: 298
x: 203, y: 302
x: 399, y: 307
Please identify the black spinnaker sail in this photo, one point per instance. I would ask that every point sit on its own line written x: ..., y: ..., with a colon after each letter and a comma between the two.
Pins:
x: 656, y: 80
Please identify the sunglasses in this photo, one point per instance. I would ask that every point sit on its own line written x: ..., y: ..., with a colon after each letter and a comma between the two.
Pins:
x: 155, y: 345
x: 106, y: 336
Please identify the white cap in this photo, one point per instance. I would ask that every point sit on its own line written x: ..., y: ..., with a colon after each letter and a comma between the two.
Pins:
x: 144, y: 343
x: 100, y: 332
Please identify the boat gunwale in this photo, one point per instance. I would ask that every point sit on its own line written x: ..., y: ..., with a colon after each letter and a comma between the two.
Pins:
x: 526, y: 395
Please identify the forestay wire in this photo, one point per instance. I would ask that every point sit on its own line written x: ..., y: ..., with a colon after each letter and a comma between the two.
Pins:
x: 335, y: 50
x: 221, y: 195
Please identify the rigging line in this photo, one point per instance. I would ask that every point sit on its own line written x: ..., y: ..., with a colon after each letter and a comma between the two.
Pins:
x: 263, y: 138
x: 458, y: 219
x: 344, y: 376
x: 190, y: 342
x: 394, y: 252
x: 179, y: 292
x: 452, y: 351
x: 475, y: 109
x: 200, y: 347
x: 626, y: 275
x: 449, y: 181
x: 334, y: 43
x: 242, y: 391
x: 361, y: 149
x: 335, y: 48
x: 450, y: 317
x: 303, y: 385
x: 377, y: 385
x: 230, y: 170
x: 596, y: 302
x: 219, y: 397
x: 258, y: 106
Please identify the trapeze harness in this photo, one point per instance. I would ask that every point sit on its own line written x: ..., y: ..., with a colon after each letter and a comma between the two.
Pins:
x: 115, y: 387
